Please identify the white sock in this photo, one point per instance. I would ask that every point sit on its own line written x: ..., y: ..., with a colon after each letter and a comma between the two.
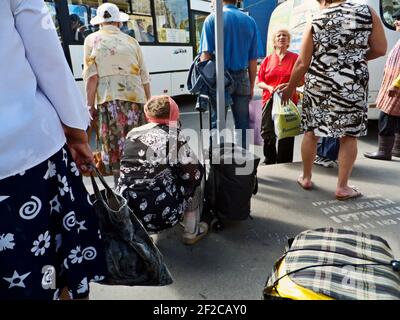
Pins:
x: 191, y: 220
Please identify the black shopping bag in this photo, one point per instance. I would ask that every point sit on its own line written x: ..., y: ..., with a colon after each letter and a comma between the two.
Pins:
x: 132, y: 258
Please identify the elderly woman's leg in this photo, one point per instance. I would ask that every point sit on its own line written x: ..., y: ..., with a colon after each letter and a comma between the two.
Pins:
x: 194, y: 229
x: 308, y: 153
x: 347, y: 157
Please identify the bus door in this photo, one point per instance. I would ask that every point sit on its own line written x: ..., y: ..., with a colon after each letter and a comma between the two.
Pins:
x: 198, y: 19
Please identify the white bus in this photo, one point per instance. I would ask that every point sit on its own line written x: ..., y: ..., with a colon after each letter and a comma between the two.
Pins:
x: 294, y: 14
x: 167, y: 30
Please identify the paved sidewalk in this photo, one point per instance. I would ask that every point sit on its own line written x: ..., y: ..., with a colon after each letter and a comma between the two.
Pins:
x: 234, y: 263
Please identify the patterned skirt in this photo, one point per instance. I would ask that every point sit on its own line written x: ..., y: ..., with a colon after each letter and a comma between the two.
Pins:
x: 49, y: 237
x: 115, y: 119
x: 332, y: 117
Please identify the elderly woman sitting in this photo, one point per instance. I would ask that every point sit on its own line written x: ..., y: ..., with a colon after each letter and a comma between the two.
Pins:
x: 160, y: 175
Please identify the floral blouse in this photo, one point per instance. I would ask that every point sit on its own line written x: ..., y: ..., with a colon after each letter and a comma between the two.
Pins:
x: 118, y: 61
x: 158, y: 190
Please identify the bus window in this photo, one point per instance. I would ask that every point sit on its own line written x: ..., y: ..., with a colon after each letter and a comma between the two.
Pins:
x: 199, y: 19
x: 388, y: 7
x: 143, y: 28
x: 127, y: 27
x: 80, y: 13
x: 172, y: 18
x: 52, y: 10
x: 141, y: 7
x: 123, y: 5
x: 140, y: 23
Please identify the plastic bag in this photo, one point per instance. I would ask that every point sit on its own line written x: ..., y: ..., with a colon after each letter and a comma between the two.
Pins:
x: 286, y: 118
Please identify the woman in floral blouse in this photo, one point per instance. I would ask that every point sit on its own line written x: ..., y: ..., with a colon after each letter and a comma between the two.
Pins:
x: 116, y: 80
x: 160, y: 175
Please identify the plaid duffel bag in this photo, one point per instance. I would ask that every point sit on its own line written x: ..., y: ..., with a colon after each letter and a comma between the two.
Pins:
x: 328, y: 263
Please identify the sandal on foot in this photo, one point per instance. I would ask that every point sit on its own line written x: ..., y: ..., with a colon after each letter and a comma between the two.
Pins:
x: 300, y: 182
x: 192, y: 238
x: 354, y: 194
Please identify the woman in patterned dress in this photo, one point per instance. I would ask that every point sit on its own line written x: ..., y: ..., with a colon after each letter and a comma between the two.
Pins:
x: 389, y: 103
x: 160, y: 174
x: 117, y: 80
x: 336, y: 46
x: 50, y: 244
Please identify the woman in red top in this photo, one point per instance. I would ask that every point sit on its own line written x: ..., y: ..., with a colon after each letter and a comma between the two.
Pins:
x: 273, y: 75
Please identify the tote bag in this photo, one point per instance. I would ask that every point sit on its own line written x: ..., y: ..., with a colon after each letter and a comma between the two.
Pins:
x: 132, y: 259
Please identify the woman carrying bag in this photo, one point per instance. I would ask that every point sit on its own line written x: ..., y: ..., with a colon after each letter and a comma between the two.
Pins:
x: 273, y: 75
x: 50, y: 245
x: 335, y: 93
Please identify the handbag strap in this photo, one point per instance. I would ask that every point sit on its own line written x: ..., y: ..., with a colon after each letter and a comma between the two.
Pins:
x: 96, y: 190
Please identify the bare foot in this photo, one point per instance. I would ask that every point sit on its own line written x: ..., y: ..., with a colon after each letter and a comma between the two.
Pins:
x: 305, y: 183
x: 346, y: 193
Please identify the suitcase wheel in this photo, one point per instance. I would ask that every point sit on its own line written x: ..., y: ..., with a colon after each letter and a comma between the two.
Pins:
x: 216, y: 225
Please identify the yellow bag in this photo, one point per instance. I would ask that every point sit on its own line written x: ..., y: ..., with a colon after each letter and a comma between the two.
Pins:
x: 288, y: 289
x: 286, y: 118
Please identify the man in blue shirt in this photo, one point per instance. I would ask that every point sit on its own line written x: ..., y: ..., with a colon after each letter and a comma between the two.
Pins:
x: 240, y: 56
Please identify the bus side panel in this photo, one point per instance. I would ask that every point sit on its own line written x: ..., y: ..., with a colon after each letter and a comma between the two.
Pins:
x: 169, y: 63
x: 167, y: 58
x: 178, y: 83
x: 76, y: 52
x: 160, y: 83
x: 174, y: 60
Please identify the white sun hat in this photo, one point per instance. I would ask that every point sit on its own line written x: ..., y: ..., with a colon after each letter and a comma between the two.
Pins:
x: 108, y: 12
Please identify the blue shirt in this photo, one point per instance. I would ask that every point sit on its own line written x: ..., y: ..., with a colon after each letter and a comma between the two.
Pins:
x: 241, y: 38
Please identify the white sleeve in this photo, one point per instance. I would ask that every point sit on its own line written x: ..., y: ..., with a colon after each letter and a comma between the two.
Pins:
x: 46, y: 57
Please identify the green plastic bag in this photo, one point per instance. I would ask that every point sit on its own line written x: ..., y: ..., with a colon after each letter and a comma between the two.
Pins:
x: 286, y: 118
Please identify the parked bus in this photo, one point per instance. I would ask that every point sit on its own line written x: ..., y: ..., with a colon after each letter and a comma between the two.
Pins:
x: 294, y: 14
x: 167, y: 30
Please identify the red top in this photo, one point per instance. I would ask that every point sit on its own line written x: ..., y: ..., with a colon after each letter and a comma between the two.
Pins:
x: 274, y: 73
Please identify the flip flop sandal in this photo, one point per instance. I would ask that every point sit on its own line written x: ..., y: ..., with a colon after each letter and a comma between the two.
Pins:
x: 354, y: 194
x: 301, y: 185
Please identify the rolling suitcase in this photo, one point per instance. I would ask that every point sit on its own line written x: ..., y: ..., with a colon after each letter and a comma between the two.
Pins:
x: 230, y: 184
x: 335, y: 264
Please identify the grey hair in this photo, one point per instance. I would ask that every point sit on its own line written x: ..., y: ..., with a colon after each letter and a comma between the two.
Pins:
x: 275, y: 33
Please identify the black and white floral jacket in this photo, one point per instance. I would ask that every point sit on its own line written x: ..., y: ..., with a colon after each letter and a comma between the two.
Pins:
x: 159, y: 174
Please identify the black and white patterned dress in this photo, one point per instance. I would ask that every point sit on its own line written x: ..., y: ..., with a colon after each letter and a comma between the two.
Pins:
x: 336, y: 84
